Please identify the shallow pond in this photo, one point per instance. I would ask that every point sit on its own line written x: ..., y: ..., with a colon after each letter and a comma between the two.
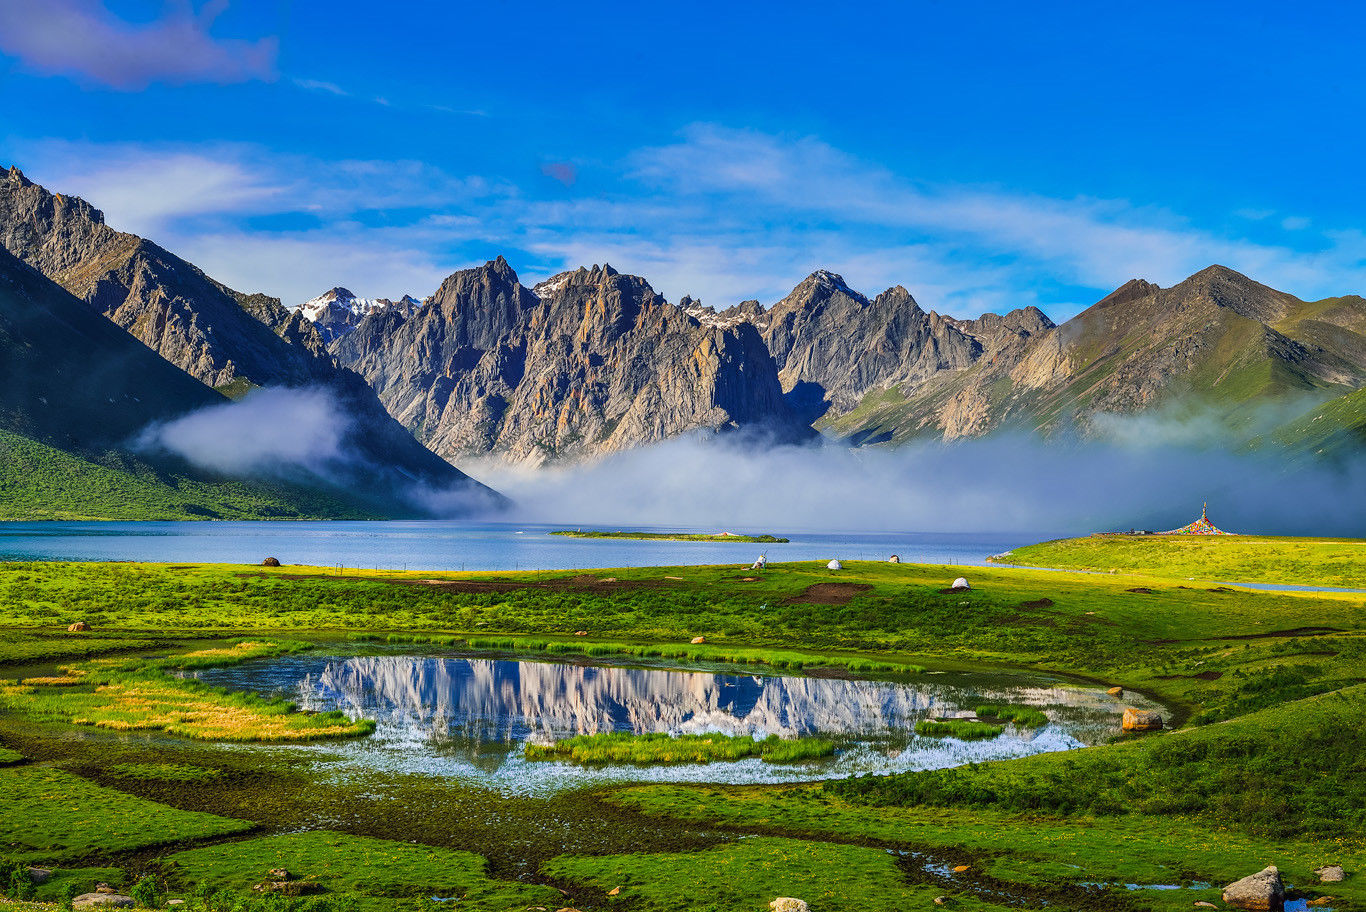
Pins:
x: 470, y: 717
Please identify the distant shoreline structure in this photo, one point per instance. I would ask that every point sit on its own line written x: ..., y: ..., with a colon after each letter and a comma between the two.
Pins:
x: 1201, y: 526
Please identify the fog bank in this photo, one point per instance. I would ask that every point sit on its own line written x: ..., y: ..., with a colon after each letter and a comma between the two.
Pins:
x: 1001, y: 484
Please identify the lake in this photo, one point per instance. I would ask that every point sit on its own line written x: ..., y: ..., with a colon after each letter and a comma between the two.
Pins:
x: 469, y: 718
x: 452, y: 545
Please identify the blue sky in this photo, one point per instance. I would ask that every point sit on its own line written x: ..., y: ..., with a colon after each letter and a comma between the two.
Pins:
x: 984, y: 155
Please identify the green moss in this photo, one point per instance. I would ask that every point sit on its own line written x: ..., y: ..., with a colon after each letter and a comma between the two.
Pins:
x: 49, y: 815
x: 1023, y: 716
x: 750, y: 873
x: 340, y: 863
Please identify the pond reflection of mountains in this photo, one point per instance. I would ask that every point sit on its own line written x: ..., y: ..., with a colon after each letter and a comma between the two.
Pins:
x: 502, y: 700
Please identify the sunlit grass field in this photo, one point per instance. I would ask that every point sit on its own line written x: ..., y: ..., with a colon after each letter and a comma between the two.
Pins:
x: 1265, y: 689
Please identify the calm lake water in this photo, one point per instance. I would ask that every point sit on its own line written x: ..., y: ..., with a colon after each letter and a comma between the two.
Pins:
x: 470, y: 718
x: 464, y: 545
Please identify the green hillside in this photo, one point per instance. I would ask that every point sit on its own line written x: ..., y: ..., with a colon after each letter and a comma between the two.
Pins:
x: 75, y: 388
x: 1332, y: 430
x: 41, y: 482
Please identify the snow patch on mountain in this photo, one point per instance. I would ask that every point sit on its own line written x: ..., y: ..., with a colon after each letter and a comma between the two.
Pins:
x: 337, y: 311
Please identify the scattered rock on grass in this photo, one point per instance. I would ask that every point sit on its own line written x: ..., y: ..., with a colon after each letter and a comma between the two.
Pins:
x: 41, y: 876
x: 1116, y: 691
x: 98, y: 900
x: 698, y: 641
x: 614, y: 891
x: 580, y: 633
x: 959, y: 869
x: 1326, y: 874
x: 788, y: 904
x: 271, y: 562
x: 1142, y: 720
x: 1201, y: 904
x: 78, y: 627
x: 1260, y: 892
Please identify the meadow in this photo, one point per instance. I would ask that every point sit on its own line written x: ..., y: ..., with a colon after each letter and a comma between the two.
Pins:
x: 615, y: 747
x: 1266, y: 692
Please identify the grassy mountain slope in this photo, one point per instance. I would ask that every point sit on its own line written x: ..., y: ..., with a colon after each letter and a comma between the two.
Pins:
x: 75, y: 389
x: 1332, y: 430
x: 1217, y: 344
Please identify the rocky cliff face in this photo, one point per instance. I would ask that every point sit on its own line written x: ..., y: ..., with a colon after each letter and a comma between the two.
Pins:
x: 225, y: 339
x: 1218, y: 343
x: 588, y: 362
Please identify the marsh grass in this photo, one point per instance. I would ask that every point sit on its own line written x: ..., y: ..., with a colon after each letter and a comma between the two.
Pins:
x: 657, y: 748
x: 962, y: 729
x: 50, y: 815
x: 135, y: 694
x: 1023, y: 716
x: 344, y: 864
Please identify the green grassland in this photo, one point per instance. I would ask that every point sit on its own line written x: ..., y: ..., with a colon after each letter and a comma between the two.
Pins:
x: 1235, y: 558
x: 1267, y: 691
x: 50, y: 816
x: 357, y: 865
x: 616, y: 747
x: 672, y: 536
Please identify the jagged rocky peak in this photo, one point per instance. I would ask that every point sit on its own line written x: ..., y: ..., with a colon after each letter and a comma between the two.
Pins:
x: 337, y: 311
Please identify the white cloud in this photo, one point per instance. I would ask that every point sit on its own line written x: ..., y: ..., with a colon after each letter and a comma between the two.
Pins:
x: 84, y: 39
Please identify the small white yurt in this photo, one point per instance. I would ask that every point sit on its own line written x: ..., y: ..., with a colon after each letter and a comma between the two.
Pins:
x: 834, y: 565
x: 961, y: 583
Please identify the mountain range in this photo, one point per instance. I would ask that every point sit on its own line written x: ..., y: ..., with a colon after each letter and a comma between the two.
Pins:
x: 593, y: 361
x: 230, y: 342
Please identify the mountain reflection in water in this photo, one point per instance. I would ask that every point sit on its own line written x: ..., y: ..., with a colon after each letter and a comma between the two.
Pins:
x: 469, y: 717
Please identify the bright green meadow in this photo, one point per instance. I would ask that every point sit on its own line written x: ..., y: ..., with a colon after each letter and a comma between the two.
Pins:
x: 115, y: 767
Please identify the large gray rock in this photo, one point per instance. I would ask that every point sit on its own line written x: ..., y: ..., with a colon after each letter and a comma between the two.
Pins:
x: 99, y: 900
x: 1330, y: 873
x: 788, y: 904
x: 1260, y: 892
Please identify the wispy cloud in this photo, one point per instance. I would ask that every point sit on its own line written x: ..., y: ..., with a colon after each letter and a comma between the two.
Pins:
x: 720, y: 214
x: 86, y: 40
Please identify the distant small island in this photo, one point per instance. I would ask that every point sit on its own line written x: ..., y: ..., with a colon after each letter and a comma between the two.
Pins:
x: 675, y: 536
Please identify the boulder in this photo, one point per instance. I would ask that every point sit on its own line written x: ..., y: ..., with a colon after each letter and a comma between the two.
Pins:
x: 1326, y: 874
x: 1201, y: 904
x: 78, y: 627
x: 1142, y: 720
x: 1116, y: 691
x: 895, y: 559
x: 98, y: 900
x: 698, y: 641
x: 959, y: 869
x: 788, y: 904
x: 615, y: 891
x: 271, y: 562
x: 1260, y: 892
x: 41, y: 876
x: 580, y: 633
x: 960, y: 583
